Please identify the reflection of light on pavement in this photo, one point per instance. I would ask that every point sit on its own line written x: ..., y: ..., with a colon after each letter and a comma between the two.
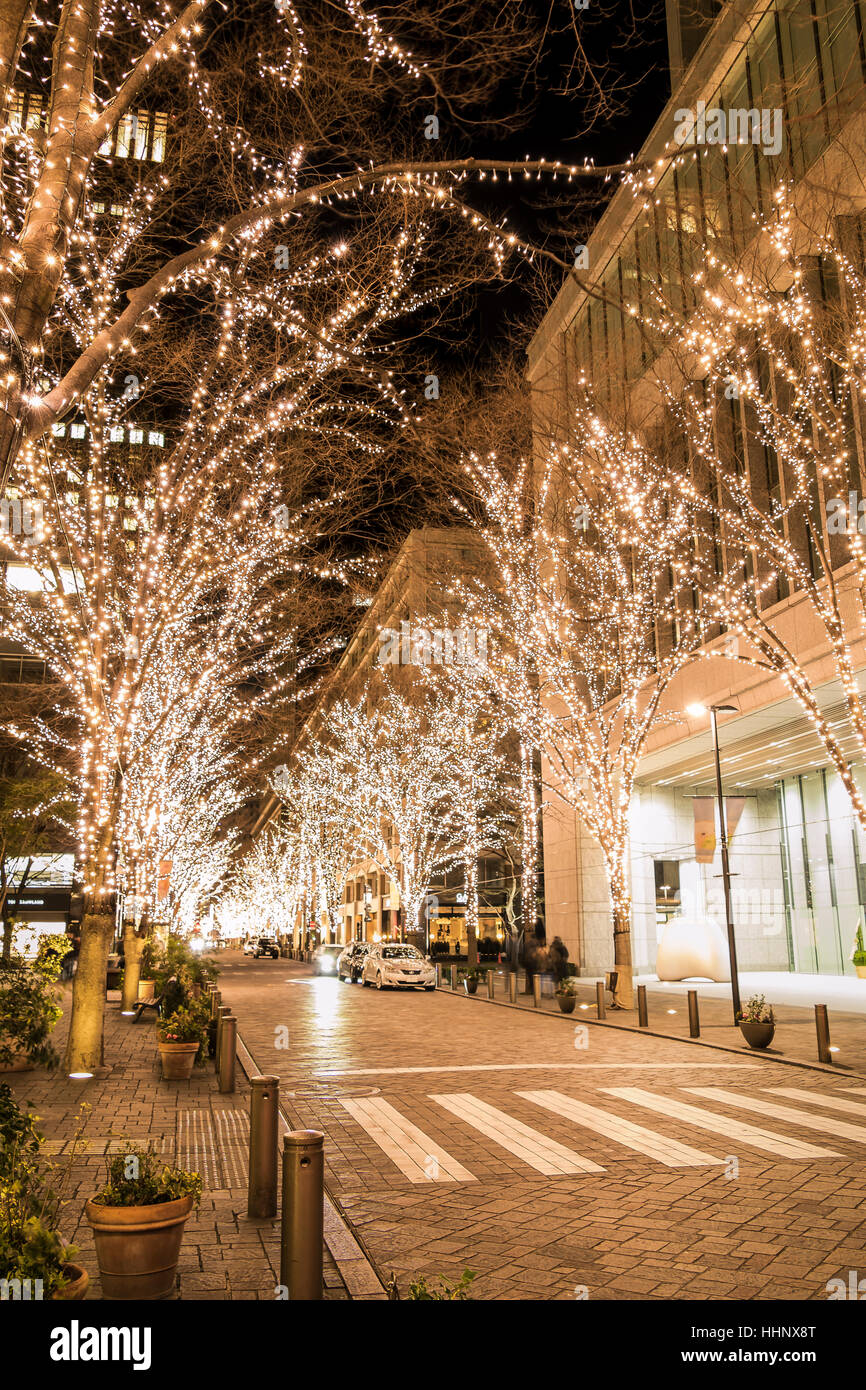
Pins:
x: 326, y: 1001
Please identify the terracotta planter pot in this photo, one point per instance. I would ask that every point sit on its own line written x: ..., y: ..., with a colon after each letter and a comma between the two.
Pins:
x: 567, y: 1002
x: 75, y: 1290
x: 758, y: 1034
x: 146, y: 989
x: 138, y: 1247
x: 178, y: 1060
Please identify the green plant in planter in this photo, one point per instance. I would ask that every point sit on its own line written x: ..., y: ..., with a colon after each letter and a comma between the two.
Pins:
x: 858, y: 956
x: 472, y: 974
x: 756, y: 1010
x: 567, y: 985
x: 187, y: 1024
x: 31, y: 1247
x: 140, y: 1177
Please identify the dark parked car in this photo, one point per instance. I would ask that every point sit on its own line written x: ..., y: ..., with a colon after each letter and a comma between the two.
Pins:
x: 267, y: 946
x: 349, y: 964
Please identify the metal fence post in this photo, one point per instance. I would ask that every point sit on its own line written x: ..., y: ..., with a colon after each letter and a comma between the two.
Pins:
x: 822, y: 1027
x: 491, y: 983
x: 264, y: 1128
x: 228, y: 1052
x: 599, y: 997
x: 512, y: 986
x: 222, y: 1012
x: 642, y: 1012
x: 694, y: 1018
x: 302, y: 1229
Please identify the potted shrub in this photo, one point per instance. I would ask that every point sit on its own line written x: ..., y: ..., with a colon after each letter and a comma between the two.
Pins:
x: 859, y: 955
x: 470, y: 981
x: 138, y: 1219
x: 32, y: 1252
x: 757, y: 1022
x: 182, y: 1039
x: 566, y: 994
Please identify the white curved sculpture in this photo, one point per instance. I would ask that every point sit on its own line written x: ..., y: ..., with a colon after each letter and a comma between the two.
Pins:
x: 693, y: 947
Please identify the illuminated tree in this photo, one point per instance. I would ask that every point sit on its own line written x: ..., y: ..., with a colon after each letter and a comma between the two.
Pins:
x: 588, y: 565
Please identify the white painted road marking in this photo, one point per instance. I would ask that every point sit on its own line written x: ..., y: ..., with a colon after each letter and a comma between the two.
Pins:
x: 538, y: 1066
x: 837, y: 1129
x: 543, y: 1154
x: 405, y: 1144
x: 668, y: 1151
x: 721, y: 1124
x: 829, y: 1102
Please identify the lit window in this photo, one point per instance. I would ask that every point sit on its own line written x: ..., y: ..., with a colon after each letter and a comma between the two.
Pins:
x: 117, y: 209
x: 136, y: 436
x: 58, y: 430
x: 24, y: 578
x: 115, y: 434
x: 156, y: 437
x: 160, y: 126
x: 77, y: 431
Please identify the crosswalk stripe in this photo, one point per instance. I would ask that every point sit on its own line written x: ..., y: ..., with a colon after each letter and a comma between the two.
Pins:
x: 838, y: 1129
x: 707, y: 1119
x: 834, y: 1102
x: 668, y: 1151
x: 541, y: 1153
x: 413, y: 1151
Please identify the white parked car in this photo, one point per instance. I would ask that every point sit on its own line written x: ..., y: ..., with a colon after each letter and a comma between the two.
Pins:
x: 392, y: 964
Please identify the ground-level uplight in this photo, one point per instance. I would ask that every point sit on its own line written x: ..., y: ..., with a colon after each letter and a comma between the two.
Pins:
x: 81, y: 1076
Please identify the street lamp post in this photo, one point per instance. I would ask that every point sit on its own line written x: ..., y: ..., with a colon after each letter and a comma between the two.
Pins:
x: 716, y: 710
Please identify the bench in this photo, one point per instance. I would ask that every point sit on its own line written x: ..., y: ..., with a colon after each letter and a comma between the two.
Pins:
x: 147, y: 1004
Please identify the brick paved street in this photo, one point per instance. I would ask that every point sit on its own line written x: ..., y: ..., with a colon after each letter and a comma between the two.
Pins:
x: 225, y: 1255
x: 462, y: 1134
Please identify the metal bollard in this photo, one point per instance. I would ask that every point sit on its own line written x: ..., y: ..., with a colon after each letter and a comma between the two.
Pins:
x: 536, y: 991
x: 694, y: 1018
x: 228, y: 1053
x: 264, y: 1129
x: 512, y: 986
x: 222, y: 1012
x: 490, y: 983
x: 438, y: 976
x: 822, y: 1027
x: 302, y: 1229
x: 642, y: 1012
x: 599, y: 997
x: 215, y: 1000
x: 454, y: 977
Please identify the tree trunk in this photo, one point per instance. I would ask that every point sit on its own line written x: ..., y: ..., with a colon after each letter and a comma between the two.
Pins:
x: 623, y: 997
x: 8, y: 933
x: 84, y: 1047
x: 132, y: 948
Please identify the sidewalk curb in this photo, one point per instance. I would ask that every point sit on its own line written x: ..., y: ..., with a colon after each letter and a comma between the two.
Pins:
x: 357, y: 1270
x: 841, y: 1072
